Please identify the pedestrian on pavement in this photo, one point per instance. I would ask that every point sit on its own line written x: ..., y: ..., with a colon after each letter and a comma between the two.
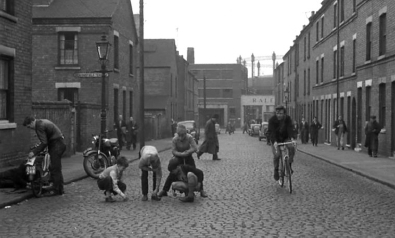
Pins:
x: 245, y: 127
x: 304, y: 131
x: 173, y: 127
x: 50, y: 136
x: 372, y: 131
x: 120, y: 128
x: 340, y: 129
x: 314, y: 128
x: 295, y: 129
x: 187, y: 179
x: 110, y: 180
x: 280, y: 130
x: 210, y: 144
x: 183, y: 146
x: 150, y: 161
x: 132, y: 134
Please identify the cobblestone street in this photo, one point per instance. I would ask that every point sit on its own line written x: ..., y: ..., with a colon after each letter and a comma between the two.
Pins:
x: 244, y: 201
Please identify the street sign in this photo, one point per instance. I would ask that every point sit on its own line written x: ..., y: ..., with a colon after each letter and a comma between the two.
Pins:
x: 89, y: 75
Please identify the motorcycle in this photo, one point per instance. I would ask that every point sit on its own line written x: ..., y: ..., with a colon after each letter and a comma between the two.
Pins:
x: 37, y: 171
x: 104, y: 155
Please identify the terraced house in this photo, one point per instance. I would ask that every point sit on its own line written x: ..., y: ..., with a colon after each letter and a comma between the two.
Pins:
x: 343, y: 63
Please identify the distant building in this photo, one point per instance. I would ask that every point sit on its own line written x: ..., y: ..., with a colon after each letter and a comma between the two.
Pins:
x: 341, y: 65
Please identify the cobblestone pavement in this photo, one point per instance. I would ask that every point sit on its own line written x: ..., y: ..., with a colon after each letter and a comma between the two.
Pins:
x: 244, y: 201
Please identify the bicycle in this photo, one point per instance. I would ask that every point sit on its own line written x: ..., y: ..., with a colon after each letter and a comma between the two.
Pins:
x: 284, y: 165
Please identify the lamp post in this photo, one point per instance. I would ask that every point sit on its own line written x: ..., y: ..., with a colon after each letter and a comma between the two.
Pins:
x: 103, y: 50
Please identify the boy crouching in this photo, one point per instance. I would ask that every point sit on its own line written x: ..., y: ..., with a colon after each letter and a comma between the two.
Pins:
x: 110, y: 180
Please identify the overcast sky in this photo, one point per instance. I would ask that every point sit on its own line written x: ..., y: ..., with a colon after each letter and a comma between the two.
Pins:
x: 222, y: 30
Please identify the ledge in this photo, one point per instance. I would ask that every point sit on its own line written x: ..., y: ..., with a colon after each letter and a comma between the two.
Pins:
x: 8, y: 16
x: 67, y: 67
x: 7, y: 125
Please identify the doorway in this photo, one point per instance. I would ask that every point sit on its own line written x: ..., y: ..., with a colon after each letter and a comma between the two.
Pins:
x: 354, y: 128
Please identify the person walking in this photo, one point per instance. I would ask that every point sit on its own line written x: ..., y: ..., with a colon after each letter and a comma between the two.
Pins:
x: 245, y: 127
x: 295, y: 129
x: 50, y: 136
x: 372, y: 130
x: 340, y: 129
x: 132, y: 134
x: 120, y: 128
x: 210, y: 144
x: 314, y: 128
x: 304, y: 131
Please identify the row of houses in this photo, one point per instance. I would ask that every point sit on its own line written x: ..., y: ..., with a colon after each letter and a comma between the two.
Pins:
x: 49, y: 65
x: 343, y: 63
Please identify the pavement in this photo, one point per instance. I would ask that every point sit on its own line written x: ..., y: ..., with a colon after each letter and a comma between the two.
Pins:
x: 379, y: 169
x: 73, y: 170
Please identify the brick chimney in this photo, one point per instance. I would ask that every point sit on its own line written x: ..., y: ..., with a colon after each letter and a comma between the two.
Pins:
x: 191, y: 55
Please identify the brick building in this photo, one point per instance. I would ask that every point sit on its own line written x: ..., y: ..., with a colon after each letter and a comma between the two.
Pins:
x: 342, y: 63
x: 225, y: 84
x: 64, y: 51
x: 15, y: 78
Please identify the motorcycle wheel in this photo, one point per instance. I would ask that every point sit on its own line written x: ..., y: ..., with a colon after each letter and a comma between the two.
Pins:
x: 94, y: 164
x: 37, y: 185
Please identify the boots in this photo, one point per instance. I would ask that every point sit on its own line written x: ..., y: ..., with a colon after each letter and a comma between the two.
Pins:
x: 191, y: 194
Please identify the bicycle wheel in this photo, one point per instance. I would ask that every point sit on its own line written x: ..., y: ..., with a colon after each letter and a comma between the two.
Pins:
x: 288, y: 174
x: 281, y: 170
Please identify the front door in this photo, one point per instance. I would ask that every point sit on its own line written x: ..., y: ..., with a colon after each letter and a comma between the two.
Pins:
x: 354, y: 124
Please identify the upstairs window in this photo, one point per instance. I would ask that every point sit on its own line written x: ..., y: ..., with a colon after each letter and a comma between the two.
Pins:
x: 322, y: 27
x: 116, y: 52
x: 382, y: 104
x: 354, y: 54
x: 334, y: 63
x: 322, y: 69
x: 7, y: 6
x: 383, y: 34
x: 5, y: 94
x: 334, y: 15
x: 368, y: 41
x: 227, y: 93
x: 130, y: 59
x: 68, y: 48
x: 341, y: 10
x: 342, y: 61
x: 317, y: 30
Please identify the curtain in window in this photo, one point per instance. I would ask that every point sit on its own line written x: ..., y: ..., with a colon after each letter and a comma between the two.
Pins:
x: 68, y: 48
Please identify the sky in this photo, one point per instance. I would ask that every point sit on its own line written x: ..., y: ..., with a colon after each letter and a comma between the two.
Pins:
x: 222, y: 30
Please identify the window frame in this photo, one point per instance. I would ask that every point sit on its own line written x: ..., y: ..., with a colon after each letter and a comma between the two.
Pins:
x: 382, y: 104
x: 131, y: 69
x: 116, y: 52
x: 342, y: 52
x: 75, y: 51
x: 368, y: 41
x: 382, y: 34
x: 9, y: 80
x: 9, y: 7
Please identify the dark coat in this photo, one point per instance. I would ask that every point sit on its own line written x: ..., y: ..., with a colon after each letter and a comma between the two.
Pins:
x: 314, y: 127
x: 132, y: 132
x: 295, y: 130
x: 210, y: 144
x: 280, y: 131
x: 372, y: 131
x: 337, y: 122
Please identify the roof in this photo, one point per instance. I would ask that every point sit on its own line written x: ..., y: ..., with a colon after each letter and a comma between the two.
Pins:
x: 155, y: 102
x: 76, y: 9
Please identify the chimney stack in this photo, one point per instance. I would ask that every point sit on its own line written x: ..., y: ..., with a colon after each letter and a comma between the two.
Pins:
x: 191, y: 55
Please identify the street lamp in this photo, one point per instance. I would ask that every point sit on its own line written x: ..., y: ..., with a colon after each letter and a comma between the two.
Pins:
x: 103, y: 50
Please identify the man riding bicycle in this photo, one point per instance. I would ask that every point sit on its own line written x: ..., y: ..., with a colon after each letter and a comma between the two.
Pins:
x: 279, y: 131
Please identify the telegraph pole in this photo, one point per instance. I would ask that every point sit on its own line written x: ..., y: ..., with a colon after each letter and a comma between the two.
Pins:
x: 141, y: 48
x: 338, y: 61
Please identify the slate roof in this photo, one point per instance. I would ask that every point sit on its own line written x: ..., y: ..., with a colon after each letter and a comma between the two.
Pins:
x: 77, y: 9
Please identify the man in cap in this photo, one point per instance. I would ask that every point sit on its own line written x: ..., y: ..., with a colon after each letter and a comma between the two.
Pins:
x: 210, y: 144
x: 372, y: 131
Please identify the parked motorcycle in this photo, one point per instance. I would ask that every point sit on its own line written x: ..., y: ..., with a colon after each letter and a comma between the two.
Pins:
x: 104, y: 155
x: 37, y: 171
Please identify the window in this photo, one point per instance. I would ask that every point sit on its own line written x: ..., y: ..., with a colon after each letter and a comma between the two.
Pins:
x: 5, y: 92
x: 368, y: 41
x: 227, y: 93
x: 232, y: 112
x: 322, y: 69
x: 322, y: 27
x: 382, y: 105
x: 308, y: 81
x: 115, y: 104
x: 304, y: 49
x: 368, y: 89
x: 383, y: 34
x: 342, y: 61
x: 131, y: 103
x: 334, y: 63
x: 116, y: 52
x: 70, y: 94
x: 68, y: 48
x: 308, y: 46
x: 317, y: 71
x: 7, y: 6
x: 349, y: 119
x: 124, y: 104
x: 354, y: 5
x: 304, y: 82
x: 130, y: 59
x: 342, y: 107
x: 354, y: 52
x: 341, y: 10
x: 317, y: 26
x: 334, y: 15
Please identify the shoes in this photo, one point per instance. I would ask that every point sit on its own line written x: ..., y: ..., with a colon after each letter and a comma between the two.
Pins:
x: 342, y: 148
x: 203, y: 194
x: 162, y: 194
x: 144, y: 198
x: 187, y: 199
x: 276, y: 175
x: 155, y: 198
x: 375, y: 156
x: 217, y: 159
x: 110, y: 199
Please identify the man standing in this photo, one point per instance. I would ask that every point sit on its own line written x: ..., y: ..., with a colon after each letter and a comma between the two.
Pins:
x: 280, y: 130
x: 304, y: 131
x: 210, y: 144
x: 372, y: 130
x: 120, y: 127
x: 132, y: 134
x: 340, y: 129
x: 314, y: 128
x: 50, y: 136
